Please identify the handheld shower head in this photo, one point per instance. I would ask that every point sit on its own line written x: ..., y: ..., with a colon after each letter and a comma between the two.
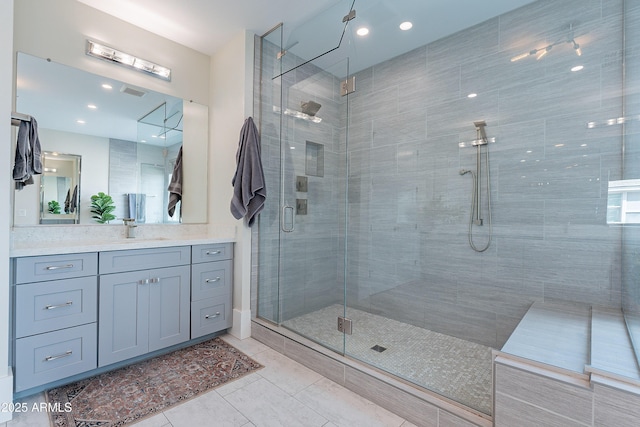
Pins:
x: 464, y: 171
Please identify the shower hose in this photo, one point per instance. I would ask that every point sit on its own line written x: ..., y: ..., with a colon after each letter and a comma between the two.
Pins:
x: 474, y: 204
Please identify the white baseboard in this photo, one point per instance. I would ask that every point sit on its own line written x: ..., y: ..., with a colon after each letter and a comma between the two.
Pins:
x: 6, y: 395
x: 241, y: 328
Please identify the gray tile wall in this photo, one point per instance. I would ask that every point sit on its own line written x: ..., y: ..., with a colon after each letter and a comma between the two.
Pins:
x: 630, y: 271
x: 406, y: 244
x: 123, y: 174
x: 408, y: 255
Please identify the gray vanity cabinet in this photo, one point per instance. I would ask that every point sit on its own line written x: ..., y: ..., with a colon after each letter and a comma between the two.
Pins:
x: 55, y: 311
x: 211, y: 288
x: 75, y: 313
x: 144, y: 310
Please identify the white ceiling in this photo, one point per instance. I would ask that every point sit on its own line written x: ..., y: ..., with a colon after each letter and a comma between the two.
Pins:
x: 311, y: 28
x: 207, y: 25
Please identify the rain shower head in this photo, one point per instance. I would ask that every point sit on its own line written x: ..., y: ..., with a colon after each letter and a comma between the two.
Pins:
x: 310, y: 108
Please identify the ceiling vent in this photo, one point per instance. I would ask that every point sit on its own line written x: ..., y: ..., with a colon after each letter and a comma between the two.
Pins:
x: 132, y: 91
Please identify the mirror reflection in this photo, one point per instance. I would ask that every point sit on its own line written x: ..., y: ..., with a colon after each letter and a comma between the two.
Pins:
x: 59, y: 188
x: 128, y: 138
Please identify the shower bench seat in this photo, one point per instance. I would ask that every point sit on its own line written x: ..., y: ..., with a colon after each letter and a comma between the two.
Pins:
x: 567, y: 364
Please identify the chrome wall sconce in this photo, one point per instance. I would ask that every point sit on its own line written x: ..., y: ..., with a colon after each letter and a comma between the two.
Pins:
x: 101, y: 51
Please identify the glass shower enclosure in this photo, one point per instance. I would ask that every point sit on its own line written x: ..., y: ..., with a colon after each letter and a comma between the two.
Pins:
x: 370, y: 151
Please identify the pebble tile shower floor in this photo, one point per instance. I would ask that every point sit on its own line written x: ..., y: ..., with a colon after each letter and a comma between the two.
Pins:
x: 454, y: 368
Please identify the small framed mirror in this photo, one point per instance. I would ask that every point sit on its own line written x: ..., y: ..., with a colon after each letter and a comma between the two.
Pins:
x: 60, y: 188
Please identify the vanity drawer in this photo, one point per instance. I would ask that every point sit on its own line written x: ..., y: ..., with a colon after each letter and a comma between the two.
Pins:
x: 210, y: 315
x: 47, y: 306
x: 53, y: 267
x: 213, y: 252
x: 142, y: 259
x: 211, y: 279
x: 44, y: 358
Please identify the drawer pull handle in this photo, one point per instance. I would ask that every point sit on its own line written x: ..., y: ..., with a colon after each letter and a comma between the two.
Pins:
x: 217, y: 279
x: 58, y: 356
x: 58, y: 267
x: 213, y: 252
x: 209, y: 316
x: 52, y: 307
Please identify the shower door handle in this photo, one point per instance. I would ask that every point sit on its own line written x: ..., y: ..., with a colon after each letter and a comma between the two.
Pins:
x: 288, y: 225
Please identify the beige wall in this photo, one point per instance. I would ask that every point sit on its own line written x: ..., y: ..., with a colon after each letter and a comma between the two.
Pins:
x: 231, y: 103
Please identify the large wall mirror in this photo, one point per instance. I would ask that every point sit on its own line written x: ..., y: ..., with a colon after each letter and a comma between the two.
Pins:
x: 127, y: 137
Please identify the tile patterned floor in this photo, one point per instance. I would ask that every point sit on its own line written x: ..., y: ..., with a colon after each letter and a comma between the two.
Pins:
x: 455, y: 368
x: 283, y: 393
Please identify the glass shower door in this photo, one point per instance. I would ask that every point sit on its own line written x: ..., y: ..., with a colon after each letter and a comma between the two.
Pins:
x: 312, y: 196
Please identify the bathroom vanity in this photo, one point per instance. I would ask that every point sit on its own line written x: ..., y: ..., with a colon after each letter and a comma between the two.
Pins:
x: 76, y: 314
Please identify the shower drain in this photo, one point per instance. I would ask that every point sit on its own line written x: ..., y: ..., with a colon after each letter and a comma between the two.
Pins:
x: 378, y: 348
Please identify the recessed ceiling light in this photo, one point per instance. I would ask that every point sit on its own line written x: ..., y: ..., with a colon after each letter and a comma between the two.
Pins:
x: 472, y: 95
x: 80, y: 121
x: 92, y: 106
x: 362, y: 31
x: 107, y: 86
x: 406, y: 25
x: 577, y: 68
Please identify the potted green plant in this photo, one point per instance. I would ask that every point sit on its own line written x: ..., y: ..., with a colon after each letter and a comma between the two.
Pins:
x: 101, y: 207
x: 54, y: 207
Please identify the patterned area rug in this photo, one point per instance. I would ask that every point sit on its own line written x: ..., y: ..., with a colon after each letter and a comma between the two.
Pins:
x: 128, y: 394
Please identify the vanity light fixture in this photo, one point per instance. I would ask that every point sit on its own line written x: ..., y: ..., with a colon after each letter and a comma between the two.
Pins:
x: 110, y: 54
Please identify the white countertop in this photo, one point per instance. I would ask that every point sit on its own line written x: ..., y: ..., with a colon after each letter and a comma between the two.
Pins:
x: 68, y: 247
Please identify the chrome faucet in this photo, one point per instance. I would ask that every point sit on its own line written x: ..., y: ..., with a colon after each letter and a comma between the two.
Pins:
x: 130, y: 223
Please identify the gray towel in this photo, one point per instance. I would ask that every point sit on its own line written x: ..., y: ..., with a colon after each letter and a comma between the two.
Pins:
x: 74, y: 200
x: 175, y: 186
x: 249, y: 190
x: 28, y: 160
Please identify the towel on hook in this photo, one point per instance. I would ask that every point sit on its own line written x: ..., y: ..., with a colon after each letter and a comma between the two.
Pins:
x: 249, y: 190
x: 73, y: 204
x: 67, y: 202
x: 28, y: 160
x: 175, y: 186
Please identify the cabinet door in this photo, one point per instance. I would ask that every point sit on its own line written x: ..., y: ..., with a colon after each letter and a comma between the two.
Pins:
x: 124, y: 317
x: 169, y: 304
